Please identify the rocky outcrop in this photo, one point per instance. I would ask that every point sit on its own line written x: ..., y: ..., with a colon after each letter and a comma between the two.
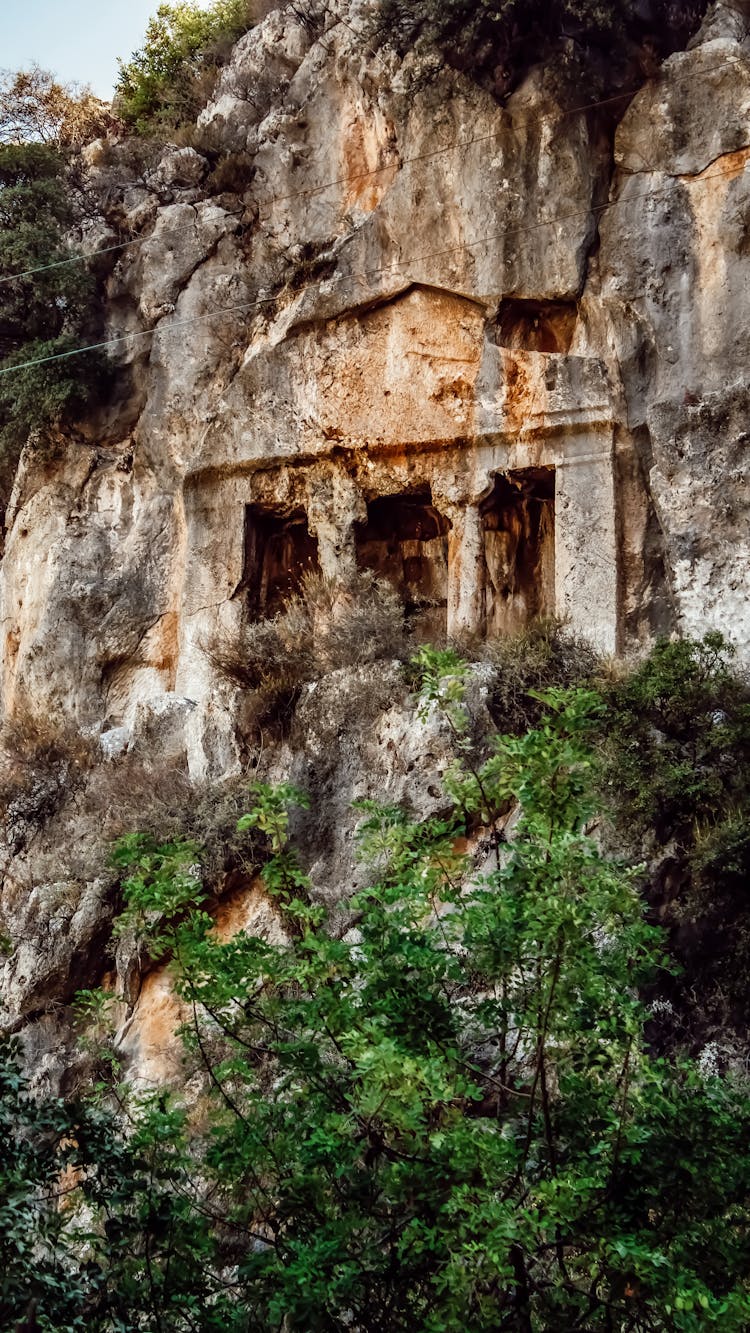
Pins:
x: 420, y: 290
x: 496, y: 353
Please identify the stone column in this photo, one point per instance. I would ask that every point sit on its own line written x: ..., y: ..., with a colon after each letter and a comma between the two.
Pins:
x: 335, y: 503
x: 466, y: 572
x: 586, y: 579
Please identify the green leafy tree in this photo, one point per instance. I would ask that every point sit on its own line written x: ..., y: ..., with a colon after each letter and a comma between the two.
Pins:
x: 166, y: 82
x: 450, y: 1118
x: 47, y: 305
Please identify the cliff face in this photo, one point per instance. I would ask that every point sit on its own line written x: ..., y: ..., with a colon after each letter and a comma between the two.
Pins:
x: 495, y: 353
x: 421, y: 291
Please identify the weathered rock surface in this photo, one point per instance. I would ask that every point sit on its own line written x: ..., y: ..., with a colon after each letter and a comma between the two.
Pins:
x: 419, y: 287
x: 499, y: 316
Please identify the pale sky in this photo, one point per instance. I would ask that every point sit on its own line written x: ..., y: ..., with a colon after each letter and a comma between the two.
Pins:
x: 77, y: 39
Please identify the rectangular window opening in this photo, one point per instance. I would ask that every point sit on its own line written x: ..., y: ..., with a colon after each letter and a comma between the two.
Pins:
x: 405, y: 540
x: 518, y: 520
x: 279, y: 551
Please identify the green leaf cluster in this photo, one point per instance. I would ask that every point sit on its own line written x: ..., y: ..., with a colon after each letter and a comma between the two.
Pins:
x: 98, y: 1230
x: 675, y: 751
x: 165, y: 83
x: 163, y: 885
x: 46, y: 313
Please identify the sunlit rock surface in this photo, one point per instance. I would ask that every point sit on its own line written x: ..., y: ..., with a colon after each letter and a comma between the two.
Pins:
x: 500, y: 337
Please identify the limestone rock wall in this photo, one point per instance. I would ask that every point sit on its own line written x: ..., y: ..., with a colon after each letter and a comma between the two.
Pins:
x: 420, y: 289
x: 500, y: 350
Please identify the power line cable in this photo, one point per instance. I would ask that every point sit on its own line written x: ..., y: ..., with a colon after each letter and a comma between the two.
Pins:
x: 468, y: 143
x: 312, y: 191
x: 86, y: 258
x: 357, y: 277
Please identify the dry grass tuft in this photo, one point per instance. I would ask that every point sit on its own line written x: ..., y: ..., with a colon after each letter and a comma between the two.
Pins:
x: 544, y: 656
x: 42, y: 766
x: 325, y: 627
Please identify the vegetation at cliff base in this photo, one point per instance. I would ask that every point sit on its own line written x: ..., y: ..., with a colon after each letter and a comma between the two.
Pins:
x: 448, y: 1116
x: 675, y: 779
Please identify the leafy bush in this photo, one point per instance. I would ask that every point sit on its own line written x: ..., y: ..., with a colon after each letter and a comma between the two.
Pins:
x: 167, y: 82
x: 542, y: 656
x: 498, y: 40
x: 162, y: 803
x: 81, y: 1209
x: 45, y: 314
x: 675, y: 750
x: 678, y: 738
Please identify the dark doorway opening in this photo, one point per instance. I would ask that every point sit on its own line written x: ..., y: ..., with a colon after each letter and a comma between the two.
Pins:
x: 279, y: 550
x: 405, y: 540
x: 536, y: 326
x: 518, y: 519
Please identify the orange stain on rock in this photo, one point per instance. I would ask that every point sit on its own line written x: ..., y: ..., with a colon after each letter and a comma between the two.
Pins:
x: 367, y: 177
x: 726, y: 168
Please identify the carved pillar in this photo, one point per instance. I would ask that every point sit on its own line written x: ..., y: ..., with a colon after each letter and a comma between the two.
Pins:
x: 466, y: 572
x: 335, y: 504
x: 586, y: 577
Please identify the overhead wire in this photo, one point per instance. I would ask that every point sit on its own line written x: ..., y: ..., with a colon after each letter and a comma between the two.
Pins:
x: 355, y: 178
x: 392, y: 268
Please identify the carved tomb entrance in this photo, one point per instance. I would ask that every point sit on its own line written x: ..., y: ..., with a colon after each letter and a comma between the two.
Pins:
x: 405, y: 539
x: 279, y: 550
x: 518, y: 532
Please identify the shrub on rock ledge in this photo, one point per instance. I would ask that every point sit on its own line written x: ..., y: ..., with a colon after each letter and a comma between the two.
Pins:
x: 499, y: 40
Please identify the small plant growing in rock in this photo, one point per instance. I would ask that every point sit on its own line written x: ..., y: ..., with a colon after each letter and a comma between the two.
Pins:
x: 327, y: 626
x: 546, y: 655
x: 42, y: 767
x: 163, y: 885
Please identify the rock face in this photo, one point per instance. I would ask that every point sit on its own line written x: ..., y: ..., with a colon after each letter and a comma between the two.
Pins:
x: 492, y: 317
x: 497, y: 354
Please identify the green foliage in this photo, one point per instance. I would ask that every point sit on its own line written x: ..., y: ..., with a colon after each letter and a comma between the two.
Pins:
x: 166, y: 82
x: 46, y: 313
x: 94, y: 1018
x: 282, y: 874
x: 679, y: 736
x: 465, y: 1127
x: 447, y: 1119
x: 163, y: 885
x: 544, y: 655
x: 498, y: 40
x: 676, y: 776
x: 440, y: 674
x: 31, y: 1273
x: 96, y: 1234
